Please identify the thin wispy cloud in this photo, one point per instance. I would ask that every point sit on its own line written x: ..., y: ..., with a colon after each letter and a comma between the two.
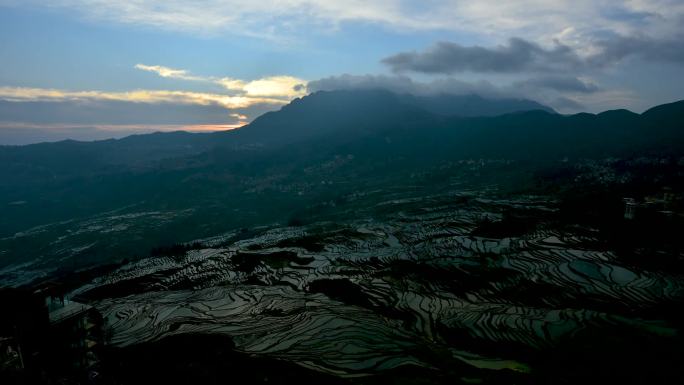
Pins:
x: 560, y: 83
x: 239, y: 116
x: 281, y: 87
x: 276, y: 86
x: 167, y: 72
x: 19, y: 94
x: 564, y: 93
x: 541, y: 20
x: 125, y: 128
x: 240, y: 101
x: 22, y: 133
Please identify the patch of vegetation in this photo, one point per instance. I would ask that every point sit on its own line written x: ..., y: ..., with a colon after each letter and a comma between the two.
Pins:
x: 342, y: 290
x: 175, y: 250
x: 248, y: 262
x: 311, y: 243
x: 509, y: 226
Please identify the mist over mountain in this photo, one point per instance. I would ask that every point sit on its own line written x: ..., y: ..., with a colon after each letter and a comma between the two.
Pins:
x: 472, y: 105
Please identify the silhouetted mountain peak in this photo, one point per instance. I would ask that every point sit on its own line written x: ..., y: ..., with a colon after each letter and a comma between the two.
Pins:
x: 675, y: 109
x: 619, y: 113
x: 330, y: 113
x: 342, y: 112
x: 472, y: 105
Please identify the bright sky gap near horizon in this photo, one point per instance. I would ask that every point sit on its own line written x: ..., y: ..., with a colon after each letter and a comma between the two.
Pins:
x: 94, y: 68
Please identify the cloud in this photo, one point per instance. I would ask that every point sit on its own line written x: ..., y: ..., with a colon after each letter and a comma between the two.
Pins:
x: 574, y: 38
x: 560, y: 83
x: 448, y: 85
x: 23, y: 133
x: 231, y: 84
x: 167, y: 72
x: 282, y: 87
x: 139, y: 107
x: 276, y: 86
x: 564, y: 94
x: 617, y: 48
x: 523, y: 56
x: 405, y: 85
x: 136, y: 96
x: 94, y: 107
x: 398, y: 84
x: 287, y: 87
x: 116, y: 112
x: 273, y: 19
x: 239, y: 116
x: 563, y: 104
x: 131, y: 128
x: 517, y: 56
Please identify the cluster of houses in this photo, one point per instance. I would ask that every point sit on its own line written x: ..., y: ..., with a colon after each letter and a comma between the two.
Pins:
x: 44, y: 333
x: 666, y: 204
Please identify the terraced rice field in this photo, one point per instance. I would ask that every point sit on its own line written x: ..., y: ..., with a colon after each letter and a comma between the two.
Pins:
x: 415, y: 286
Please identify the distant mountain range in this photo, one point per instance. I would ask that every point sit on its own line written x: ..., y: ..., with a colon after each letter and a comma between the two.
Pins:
x: 352, y: 113
x: 468, y: 126
x: 326, y: 114
x: 315, y: 149
x: 81, y: 122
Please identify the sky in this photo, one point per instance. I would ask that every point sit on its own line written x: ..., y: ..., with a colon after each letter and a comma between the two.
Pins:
x: 92, y: 69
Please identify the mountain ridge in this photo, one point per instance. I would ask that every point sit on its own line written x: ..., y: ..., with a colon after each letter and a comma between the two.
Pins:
x: 243, y: 134
x: 215, y: 174
x: 348, y: 116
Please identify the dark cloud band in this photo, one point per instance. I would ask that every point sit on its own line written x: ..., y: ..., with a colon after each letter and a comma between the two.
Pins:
x: 518, y: 55
x: 523, y: 56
